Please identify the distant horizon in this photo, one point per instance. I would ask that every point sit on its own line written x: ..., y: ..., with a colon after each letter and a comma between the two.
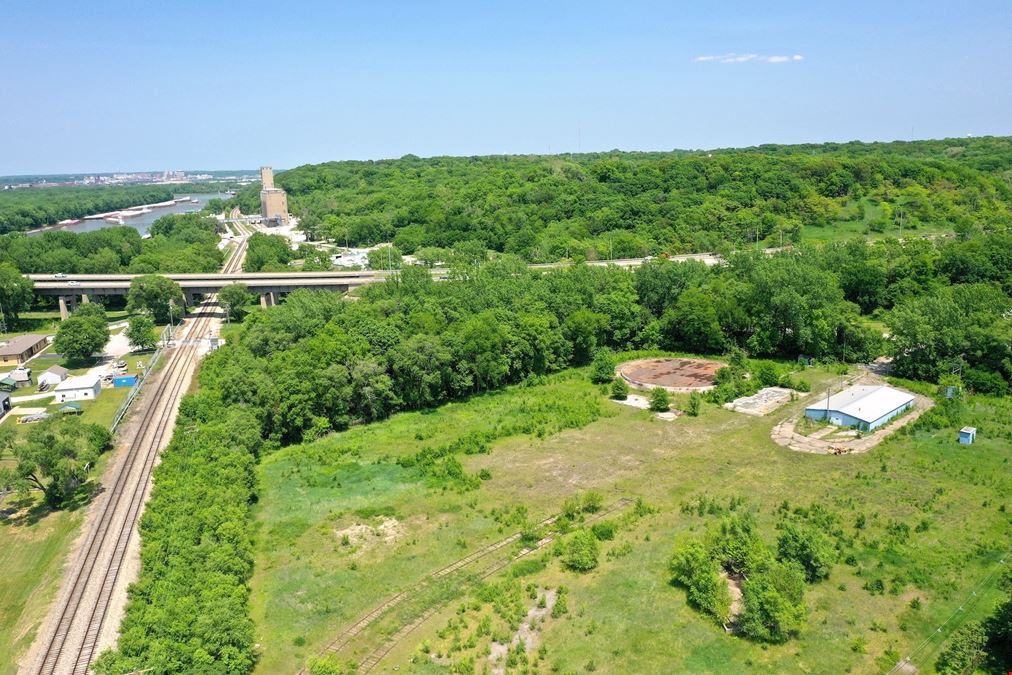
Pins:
x: 128, y: 85
x: 278, y: 169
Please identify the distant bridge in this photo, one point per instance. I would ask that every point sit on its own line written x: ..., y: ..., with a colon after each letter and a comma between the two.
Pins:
x: 269, y: 285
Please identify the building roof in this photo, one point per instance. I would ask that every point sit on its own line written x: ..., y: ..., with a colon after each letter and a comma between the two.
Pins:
x: 78, y: 382
x: 968, y: 430
x: 20, y: 344
x: 57, y: 370
x: 71, y: 404
x: 864, y: 402
x: 8, y: 381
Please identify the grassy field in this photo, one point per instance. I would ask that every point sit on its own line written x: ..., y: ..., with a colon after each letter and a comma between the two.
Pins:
x: 342, y: 526
x: 852, y: 225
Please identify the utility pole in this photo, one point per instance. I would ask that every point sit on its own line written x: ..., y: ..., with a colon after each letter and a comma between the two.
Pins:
x: 171, y: 328
x: 3, y: 320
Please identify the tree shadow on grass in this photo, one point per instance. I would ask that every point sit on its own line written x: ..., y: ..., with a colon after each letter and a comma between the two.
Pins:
x: 31, y: 509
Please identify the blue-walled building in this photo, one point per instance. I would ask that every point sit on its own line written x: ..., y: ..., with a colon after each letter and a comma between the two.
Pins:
x: 863, y: 407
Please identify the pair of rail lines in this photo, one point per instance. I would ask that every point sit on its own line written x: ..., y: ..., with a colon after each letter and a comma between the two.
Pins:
x: 373, y: 658
x: 82, y: 612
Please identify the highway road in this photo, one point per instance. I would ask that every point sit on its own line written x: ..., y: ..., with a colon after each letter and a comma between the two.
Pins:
x: 84, y: 619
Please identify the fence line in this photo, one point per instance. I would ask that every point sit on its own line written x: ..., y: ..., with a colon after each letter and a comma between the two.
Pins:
x: 142, y: 377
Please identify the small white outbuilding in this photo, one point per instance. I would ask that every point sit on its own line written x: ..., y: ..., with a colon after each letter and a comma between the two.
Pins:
x: 79, y: 388
x: 54, y: 375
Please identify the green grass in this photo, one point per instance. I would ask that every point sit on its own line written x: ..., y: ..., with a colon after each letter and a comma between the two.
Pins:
x: 849, y: 227
x: 31, y: 557
x: 624, y: 616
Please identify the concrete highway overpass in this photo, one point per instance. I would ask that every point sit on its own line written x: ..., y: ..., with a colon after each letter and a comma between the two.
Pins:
x: 269, y: 285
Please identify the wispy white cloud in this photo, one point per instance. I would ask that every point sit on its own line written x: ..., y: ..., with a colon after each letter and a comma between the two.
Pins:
x: 745, y: 58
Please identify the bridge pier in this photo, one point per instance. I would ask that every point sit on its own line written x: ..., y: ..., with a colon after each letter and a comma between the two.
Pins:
x: 263, y: 301
x: 85, y: 299
x: 68, y: 303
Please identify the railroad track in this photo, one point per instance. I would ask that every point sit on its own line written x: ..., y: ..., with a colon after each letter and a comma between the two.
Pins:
x: 356, y: 629
x: 81, y: 615
x: 377, y: 655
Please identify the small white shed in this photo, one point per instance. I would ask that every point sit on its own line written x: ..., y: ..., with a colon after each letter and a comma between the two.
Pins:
x: 54, y: 375
x: 80, y: 388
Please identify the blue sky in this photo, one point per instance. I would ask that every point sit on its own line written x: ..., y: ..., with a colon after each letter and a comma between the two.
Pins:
x: 112, y: 85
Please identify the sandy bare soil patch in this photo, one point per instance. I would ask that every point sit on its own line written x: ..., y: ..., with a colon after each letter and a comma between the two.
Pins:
x: 363, y: 536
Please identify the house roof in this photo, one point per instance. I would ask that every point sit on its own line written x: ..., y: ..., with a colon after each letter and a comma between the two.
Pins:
x: 864, y: 402
x: 78, y: 382
x: 72, y: 404
x: 57, y: 370
x: 9, y: 381
x: 20, y: 344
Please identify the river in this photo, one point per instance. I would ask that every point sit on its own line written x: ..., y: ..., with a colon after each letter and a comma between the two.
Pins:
x: 143, y: 221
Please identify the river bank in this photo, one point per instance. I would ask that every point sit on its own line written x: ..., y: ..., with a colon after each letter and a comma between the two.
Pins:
x: 139, y: 217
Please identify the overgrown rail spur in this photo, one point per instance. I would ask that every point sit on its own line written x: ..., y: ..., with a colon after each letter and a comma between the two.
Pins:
x: 354, y: 630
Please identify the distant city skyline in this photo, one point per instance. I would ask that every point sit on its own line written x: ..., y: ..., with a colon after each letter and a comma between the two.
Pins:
x: 130, y: 87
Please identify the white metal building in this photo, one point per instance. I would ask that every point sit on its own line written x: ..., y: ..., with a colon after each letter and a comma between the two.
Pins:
x: 79, y: 388
x: 865, y: 407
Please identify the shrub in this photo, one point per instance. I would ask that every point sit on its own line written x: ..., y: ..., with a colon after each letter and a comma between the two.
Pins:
x: 581, y: 552
x: 619, y: 389
x: 737, y: 546
x: 592, y: 502
x: 602, y: 370
x: 604, y: 530
x: 693, y: 567
x: 659, y: 399
x: 774, y: 606
x: 808, y: 547
x: 695, y: 402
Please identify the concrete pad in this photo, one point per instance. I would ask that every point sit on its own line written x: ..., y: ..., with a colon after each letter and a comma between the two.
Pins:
x: 21, y: 411
x: 762, y: 402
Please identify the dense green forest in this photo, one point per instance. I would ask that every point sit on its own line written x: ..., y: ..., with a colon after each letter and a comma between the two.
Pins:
x: 28, y: 209
x: 178, y: 243
x: 622, y: 204
x: 316, y: 364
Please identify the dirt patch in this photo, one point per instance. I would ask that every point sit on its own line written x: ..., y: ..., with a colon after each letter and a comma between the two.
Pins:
x: 363, y: 536
x: 675, y: 375
x: 737, y: 604
x: 527, y: 633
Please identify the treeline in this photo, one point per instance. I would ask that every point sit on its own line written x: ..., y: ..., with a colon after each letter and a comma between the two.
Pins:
x: 614, y: 205
x: 188, y: 611
x: 414, y: 343
x: 316, y: 363
x: 29, y: 209
x: 178, y: 243
x: 987, y: 153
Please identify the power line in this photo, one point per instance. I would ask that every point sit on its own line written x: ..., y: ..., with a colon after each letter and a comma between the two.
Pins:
x: 969, y: 602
